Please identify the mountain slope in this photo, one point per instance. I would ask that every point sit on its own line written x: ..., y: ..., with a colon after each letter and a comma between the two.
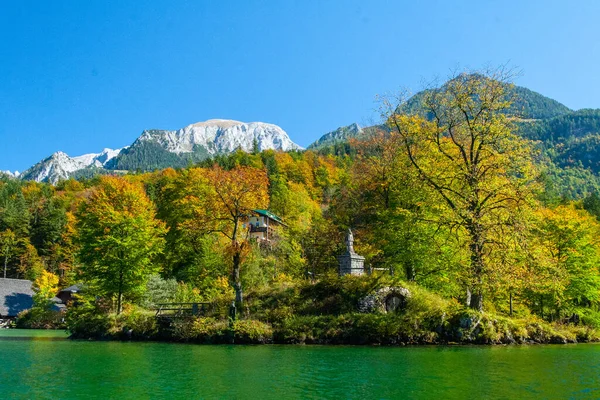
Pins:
x: 339, y: 135
x: 571, y: 140
x: 532, y: 105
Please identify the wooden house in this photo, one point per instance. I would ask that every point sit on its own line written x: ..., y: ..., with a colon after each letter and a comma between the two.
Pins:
x: 66, y: 294
x: 263, y: 225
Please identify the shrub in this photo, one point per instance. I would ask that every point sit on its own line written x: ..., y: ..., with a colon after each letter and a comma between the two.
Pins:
x: 159, y: 290
x: 135, y: 323
x: 87, y: 320
x: 590, y: 317
x: 40, y: 318
x: 200, y: 330
x: 248, y: 331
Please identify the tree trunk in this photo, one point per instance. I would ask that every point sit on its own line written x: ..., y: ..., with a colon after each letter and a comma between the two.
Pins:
x: 410, y: 272
x: 476, y: 249
x: 476, y: 302
x: 120, y: 294
x: 5, y: 265
x: 511, y: 304
x: 235, y: 278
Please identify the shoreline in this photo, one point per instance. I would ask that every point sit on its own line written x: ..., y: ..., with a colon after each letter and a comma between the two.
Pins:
x: 69, y: 337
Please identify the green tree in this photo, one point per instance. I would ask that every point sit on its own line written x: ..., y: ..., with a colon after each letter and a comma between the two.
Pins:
x: 8, y: 247
x: 31, y: 265
x: 567, y: 253
x: 119, y: 238
x: 592, y: 204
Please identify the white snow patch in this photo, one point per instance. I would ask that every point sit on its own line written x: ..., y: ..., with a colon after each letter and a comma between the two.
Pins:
x: 98, y: 159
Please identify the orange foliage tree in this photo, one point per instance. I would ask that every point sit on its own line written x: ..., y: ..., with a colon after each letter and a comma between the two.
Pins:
x: 235, y: 193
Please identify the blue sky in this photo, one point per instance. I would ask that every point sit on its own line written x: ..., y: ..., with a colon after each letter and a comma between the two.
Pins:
x: 79, y: 76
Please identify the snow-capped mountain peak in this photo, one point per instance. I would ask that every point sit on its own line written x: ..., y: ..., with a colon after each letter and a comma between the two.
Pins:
x: 11, y: 174
x: 221, y: 136
x: 61, y: 166
x: 156, y: 149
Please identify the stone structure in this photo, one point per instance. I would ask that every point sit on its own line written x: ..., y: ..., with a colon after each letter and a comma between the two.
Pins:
x: 350, y: 262
x: 385, y: 300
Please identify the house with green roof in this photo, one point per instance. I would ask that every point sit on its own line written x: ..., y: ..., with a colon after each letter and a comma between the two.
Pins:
x: 263, y: 225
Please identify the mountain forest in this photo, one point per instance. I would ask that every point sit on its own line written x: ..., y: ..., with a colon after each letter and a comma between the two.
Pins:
x: 478, y: 197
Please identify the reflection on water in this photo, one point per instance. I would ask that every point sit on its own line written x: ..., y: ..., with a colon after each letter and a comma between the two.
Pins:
x: 32, y: 334
x: 81, y: 369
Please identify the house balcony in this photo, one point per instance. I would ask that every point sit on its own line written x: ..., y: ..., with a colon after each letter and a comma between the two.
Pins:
x: 258, y: 228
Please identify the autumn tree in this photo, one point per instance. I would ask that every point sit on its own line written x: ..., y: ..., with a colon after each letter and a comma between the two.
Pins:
x: 191, y: 254
x: 118, y: 237
x: 234, y: 194
x: 46, y: 287
x: 31, y: 265
x: 391, y: 199
x: 462, y: 146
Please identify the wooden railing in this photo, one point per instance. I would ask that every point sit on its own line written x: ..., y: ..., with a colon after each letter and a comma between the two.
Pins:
x: 179, y: 310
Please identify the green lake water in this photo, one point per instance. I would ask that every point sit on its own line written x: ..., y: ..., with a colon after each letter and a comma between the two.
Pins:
x: 50, y: 368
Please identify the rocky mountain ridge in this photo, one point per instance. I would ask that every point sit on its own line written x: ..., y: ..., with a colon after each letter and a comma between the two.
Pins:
x: 155, y: 149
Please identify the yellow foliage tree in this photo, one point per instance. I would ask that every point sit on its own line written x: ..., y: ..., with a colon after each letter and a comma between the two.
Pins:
x: 45, y: 286
x: 463, y: 147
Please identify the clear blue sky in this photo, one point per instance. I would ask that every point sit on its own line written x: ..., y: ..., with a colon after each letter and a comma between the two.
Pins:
x: 79, y: 76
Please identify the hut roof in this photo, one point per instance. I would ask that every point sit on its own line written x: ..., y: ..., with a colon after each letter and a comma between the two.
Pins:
x: 16, y: 295
x: 269, y: 214
x: 78, y: 287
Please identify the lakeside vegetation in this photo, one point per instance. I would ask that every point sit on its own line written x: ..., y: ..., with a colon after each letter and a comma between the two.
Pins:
x: 448, y: 199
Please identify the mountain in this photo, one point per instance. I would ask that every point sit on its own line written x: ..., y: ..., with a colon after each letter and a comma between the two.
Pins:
x: 219, y: 136
x: 156, y: 149
x: 10, y: 174
x: 339, y: 135
x: 336, y: 141
x: 526, y: 104
x: 568, y: 141
x: 61, y: 166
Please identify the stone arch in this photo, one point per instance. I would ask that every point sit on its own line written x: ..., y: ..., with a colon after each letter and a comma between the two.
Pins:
x: 394, y: 302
